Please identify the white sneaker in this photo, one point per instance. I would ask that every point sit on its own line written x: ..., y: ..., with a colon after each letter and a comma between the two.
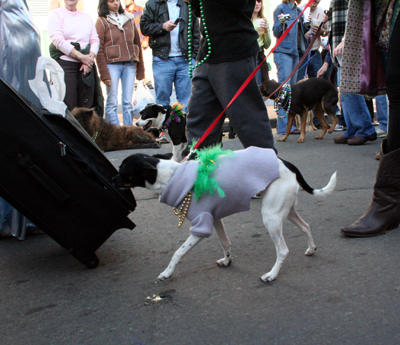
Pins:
x: 381, y: 133
x: 338, y: 128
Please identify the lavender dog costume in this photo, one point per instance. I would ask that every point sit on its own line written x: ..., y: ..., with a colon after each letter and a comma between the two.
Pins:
x: 240, y: 176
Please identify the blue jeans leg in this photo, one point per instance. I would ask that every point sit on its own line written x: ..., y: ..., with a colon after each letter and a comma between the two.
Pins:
x: 182, y: 82
x: 128, y: 85
x: 356, y: 115
x: 164, y: 76
x: 285, y: 64
x: 111, y: 113
x: 382, y: 111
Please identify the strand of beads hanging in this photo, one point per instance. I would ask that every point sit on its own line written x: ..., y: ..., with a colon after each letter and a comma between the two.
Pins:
x: 190, y: 27
x: 183, y: 209
x: 284, y: 99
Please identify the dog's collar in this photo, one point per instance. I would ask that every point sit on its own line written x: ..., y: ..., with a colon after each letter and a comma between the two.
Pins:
x: 283, y: 99
x: 175, y: 115
x: 95, y: 135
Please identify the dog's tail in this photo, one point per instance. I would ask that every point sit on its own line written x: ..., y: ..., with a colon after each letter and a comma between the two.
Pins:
x: 320, y: 193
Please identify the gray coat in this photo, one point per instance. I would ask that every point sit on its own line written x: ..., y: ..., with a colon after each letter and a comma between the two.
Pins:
x: 241, y: 176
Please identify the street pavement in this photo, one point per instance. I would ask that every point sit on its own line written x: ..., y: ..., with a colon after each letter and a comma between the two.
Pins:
x: 347, y: 293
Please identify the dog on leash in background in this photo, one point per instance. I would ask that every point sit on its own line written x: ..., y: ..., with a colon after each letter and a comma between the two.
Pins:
x: 313, y: 93
x: 171, y: 120
x: 110, y: 137
x: 257, y: 169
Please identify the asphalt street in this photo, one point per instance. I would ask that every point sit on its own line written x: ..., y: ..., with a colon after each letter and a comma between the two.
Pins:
x: 347, y: 293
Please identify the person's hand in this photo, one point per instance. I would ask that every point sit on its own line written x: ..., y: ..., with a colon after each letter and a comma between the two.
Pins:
x: 86, y: 60
x: 263, y: 23
x: 282, y: 18
x: 86, y: 69
x: 338, y: 51
x: 169, y: 25
x: 107, y: 82
x: 322, y: 70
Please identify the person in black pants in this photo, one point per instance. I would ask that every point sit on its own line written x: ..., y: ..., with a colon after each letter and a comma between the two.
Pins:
x: 227, y: 56
x: 384, y: 211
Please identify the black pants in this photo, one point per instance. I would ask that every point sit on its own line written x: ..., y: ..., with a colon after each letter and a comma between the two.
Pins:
x: 77, y: 94
x: 213, y: 87
x: 393, y: 89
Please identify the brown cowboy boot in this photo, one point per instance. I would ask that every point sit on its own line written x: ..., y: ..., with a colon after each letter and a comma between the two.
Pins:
x: 384, y: 211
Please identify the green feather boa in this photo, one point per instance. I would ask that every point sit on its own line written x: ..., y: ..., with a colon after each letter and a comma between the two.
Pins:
x: 205, y: 182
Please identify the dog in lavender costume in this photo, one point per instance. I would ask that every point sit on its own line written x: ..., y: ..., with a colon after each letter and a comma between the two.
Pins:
x: 240, y: 176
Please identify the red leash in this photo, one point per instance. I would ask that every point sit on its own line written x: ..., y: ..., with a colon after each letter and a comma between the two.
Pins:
x: 247, y: 81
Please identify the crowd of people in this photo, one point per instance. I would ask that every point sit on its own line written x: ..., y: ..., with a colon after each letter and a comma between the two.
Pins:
x: 207, y: 49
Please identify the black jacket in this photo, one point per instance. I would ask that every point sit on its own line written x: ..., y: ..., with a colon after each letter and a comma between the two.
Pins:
x: 155, y: 13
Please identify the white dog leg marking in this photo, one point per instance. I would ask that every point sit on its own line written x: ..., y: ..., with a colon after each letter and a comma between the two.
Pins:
x: 295, y: 218
x: 226, y: 244
x: 177, y: 152
x: 275, y: 231
x: 179, y: 254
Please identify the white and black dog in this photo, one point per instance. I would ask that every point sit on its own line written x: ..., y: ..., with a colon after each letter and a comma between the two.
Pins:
x: 240, y: 176
x: 156, y: 116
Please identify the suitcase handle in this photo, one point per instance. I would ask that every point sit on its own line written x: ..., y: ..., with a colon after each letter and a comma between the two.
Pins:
x: 25, y: 161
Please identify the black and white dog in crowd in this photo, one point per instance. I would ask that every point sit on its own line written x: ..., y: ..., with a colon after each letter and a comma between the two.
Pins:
x: 240, y: 176
x: 172, y: 122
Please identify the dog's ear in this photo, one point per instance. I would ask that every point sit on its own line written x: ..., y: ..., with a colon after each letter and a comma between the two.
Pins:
x: 159, y: 108
x: 149, y: 172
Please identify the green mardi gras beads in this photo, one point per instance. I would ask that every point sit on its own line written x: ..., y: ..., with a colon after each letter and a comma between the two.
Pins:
x: 203, y: 20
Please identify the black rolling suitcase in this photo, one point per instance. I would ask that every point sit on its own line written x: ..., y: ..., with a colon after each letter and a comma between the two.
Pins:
x: 53, y: 173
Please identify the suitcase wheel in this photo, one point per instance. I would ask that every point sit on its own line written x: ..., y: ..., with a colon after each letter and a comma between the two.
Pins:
x: 89, y: 260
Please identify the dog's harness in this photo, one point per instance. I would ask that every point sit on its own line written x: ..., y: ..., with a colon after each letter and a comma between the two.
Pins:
x: 176, y: 115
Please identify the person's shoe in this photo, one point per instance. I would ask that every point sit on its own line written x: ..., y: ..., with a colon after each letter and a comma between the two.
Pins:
x: 338, y: 128
x: 384, y: 211
x: 295, y: 131
x: 381, y: 133
x: 361, y: 140
x: 340, y: 140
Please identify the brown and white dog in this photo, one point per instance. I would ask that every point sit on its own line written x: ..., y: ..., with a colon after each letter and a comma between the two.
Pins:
x: 110, y: 137
x: 279, y: 197
x: 307, y: 94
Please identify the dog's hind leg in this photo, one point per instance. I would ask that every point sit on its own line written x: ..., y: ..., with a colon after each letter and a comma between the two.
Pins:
x: 226, y: 243
x: 319, y: 114
x: 179, y: 254
x: 274, y: 225
x: 295, y: 218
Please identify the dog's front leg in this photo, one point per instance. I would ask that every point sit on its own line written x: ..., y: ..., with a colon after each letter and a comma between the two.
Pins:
x: 226, y: 244
x: 177, y: 152
x: 179, y: 254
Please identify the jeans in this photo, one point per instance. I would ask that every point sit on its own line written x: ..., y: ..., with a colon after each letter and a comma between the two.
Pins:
x: 126, y: 71
x: 174, y: 70
x: 285, y: 64
x: 382, y: 111
x: 356, y: 115
x: 312, y: 67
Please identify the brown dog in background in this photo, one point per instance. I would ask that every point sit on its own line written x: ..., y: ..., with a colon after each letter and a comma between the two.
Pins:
x: 110, y: 137
x: 307, y: 94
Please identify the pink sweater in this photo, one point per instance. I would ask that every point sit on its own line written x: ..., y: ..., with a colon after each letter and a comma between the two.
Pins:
x: 66, y: 26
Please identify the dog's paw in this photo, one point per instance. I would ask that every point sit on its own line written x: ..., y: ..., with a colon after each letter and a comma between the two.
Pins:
x: 164, y: 275
x: 310, y: 251
x: 281, y: 139
x: 268, y: 277
x: 224, y: 262
x: 319, y: 137
x: 300, y: 140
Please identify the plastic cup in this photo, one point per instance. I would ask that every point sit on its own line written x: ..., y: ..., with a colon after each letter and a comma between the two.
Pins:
x: 260, y: 29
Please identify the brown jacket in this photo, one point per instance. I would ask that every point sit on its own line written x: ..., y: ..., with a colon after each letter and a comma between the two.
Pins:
x: 118, y: 44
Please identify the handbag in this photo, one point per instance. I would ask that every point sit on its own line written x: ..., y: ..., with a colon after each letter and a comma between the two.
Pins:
x: 141, y: 98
